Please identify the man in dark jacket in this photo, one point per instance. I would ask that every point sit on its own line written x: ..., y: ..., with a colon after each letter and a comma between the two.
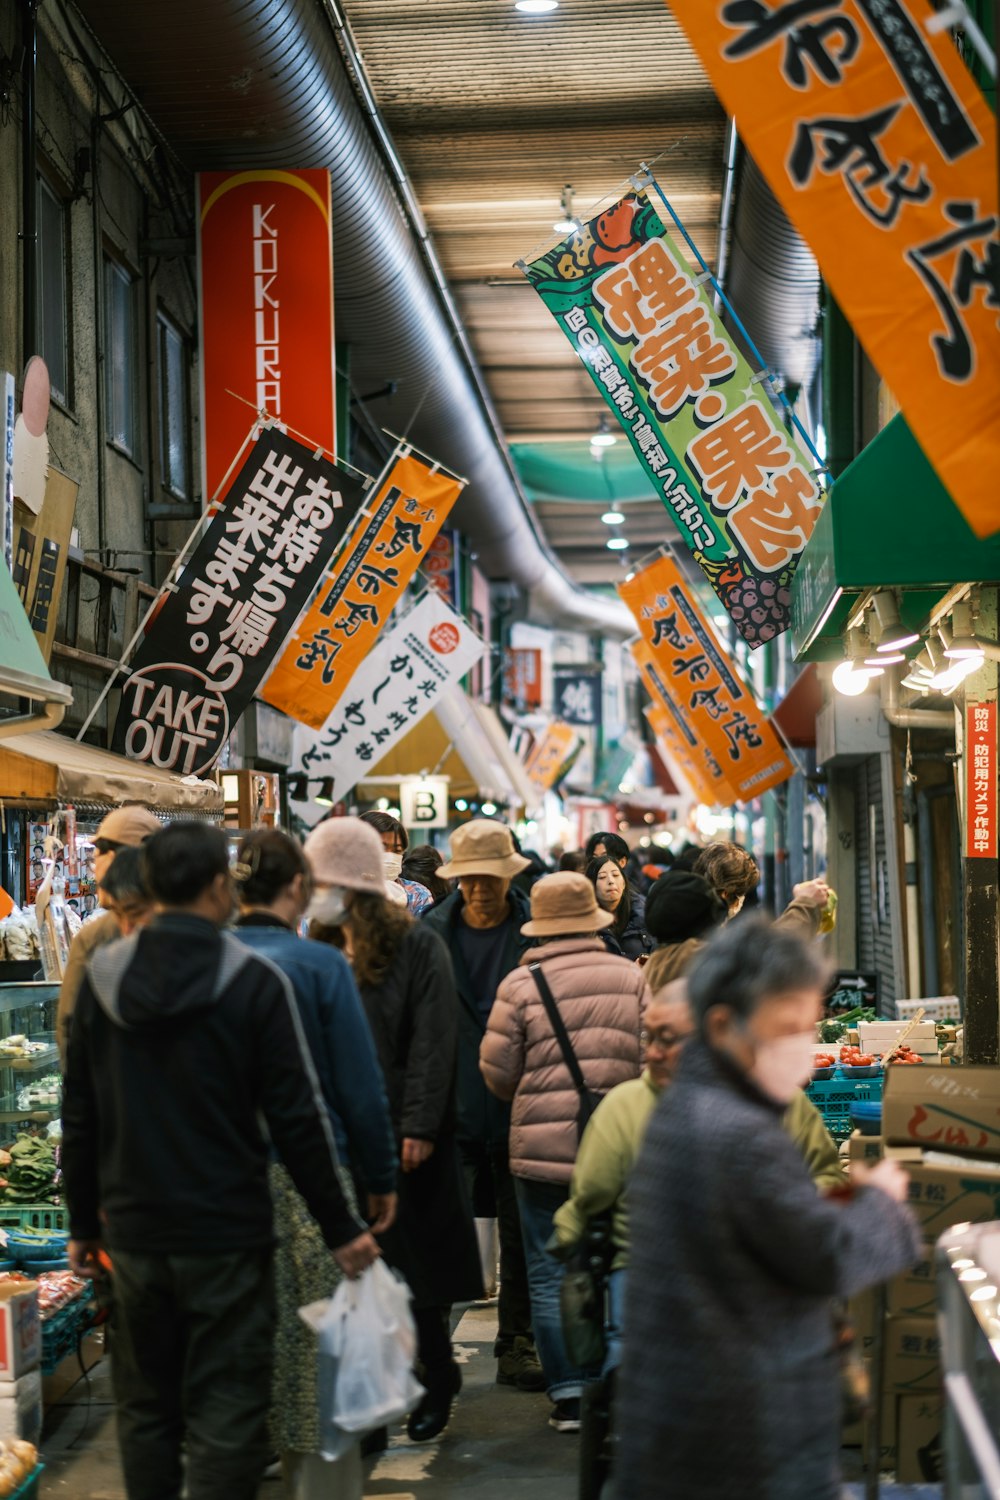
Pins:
x: 182, y: 1040
x: 481, y: 925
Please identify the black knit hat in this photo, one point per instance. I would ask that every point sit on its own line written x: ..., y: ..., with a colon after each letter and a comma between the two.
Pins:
x: 681, y: 905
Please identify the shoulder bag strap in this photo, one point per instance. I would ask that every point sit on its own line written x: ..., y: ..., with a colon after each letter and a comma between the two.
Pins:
x: 559, y: 1027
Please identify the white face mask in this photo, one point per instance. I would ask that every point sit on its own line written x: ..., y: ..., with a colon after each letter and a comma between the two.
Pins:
x: 327, y: 907
x: 392, y: 864
x: 783, y: 1065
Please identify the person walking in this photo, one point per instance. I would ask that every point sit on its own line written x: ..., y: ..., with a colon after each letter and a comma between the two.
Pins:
x: 124, y: 827
x: 274, y: 889
x: 124, y: 892
x: 394, y: 845
x: 734, y: 874
x: 625, y: 934
x: 421, y: 864
x: 183, y: 1041
x: 729, y: 1369
x: 599, y: 999
x: 481, y: 924
x: 682, y: 912
x: 407, y: 989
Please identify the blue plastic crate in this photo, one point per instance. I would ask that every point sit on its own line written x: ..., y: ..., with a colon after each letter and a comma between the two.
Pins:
x: 834, y: 1096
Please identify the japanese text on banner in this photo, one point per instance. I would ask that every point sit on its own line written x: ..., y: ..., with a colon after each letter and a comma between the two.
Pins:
x: 225, y: 616
x: 672, y: 745
x: 365, y: 585
x: 981, y: 780
x: 708, y: 776
x: 698, y: 681
x: 549, y: 754
x: 881, y: 149
x: 736, y: 483
x: 400, y: 680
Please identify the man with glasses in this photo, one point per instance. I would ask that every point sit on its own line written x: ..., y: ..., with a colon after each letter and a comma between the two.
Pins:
x: 125, y: 828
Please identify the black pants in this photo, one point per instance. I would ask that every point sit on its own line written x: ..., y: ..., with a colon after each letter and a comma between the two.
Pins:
x: 491, y: 1188
x: 433, y: 1343
x: 191, y: 1368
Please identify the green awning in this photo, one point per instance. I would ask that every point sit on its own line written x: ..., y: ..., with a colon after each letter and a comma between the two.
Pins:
x: 23, y: 673
x: 568, y: 471
x: 889, y: 522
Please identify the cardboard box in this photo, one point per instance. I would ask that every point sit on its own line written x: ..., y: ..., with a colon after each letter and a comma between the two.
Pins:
x: 947, y: 1190
x: 865, y: 1148
x: 914, y: 1294
x: 912, y: 1357
x: 20, y: 1329
x: 920, y: 1423
x: 880, y: 1036
x: 21, y: 1408
x: 861, y: 1313
x: 943, y: 1109
x: 888, y: 1433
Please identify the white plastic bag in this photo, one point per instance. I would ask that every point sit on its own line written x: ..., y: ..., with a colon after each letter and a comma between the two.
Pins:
x: 367, y: 1343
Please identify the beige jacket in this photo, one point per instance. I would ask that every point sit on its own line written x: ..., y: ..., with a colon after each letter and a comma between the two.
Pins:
x: 92, y: 935
x: 601, y: 999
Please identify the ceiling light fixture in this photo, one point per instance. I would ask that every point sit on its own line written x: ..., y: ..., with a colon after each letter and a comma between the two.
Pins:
x: 298, y: 787
x: 536, y: 7
x: 603, y: 437
x: 617, y: 543
x: 568, y: 223
x: 890, y: 635
x: 853, y: 675
x: 324, y: 797
x: 613, y: 518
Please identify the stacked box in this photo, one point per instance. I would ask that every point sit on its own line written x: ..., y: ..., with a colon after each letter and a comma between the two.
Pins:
x: 21, y: 1408
x: 20, y: 1330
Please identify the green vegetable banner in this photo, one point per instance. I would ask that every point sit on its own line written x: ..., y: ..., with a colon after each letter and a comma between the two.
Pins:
x: 737, y: 485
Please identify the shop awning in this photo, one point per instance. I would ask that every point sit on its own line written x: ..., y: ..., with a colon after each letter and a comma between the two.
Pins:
x: 795, y: 715
x: 889, y: 522
x: 24, y: 677
x: 46, y: 767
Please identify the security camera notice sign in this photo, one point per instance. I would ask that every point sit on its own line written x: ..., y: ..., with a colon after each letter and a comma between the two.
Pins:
x: 981, y: 780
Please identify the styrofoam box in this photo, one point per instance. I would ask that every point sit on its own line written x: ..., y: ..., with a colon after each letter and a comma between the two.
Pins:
x: 938, y: 1008
x: 879, y: 1036
x: 21, y: 1408
x: 20, y: 1330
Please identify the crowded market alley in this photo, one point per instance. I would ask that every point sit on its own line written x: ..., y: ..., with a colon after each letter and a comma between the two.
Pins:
x: 499, y: 750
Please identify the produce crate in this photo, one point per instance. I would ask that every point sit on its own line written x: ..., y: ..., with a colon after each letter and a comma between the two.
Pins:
x: 62, y: 1332
x: 28, y: 1488
x: 33, y: 1216
x: 833, y: 1098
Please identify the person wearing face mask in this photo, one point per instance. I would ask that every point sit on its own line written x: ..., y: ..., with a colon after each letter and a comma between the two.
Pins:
x: 733, y: 874
x: 187, y: 1065
x: 404, y: 976
x: 394, y: 845
x: 274, y: 888
x: 729, y: 1364
x: 626, y: 936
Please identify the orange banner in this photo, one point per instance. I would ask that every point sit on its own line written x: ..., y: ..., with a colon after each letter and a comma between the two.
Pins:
x: 550, y: 753
x: 364, y: 586
x: 701, y: 686
x: 682, y: 763
x: 706, y: 776
x: 265, y: 267
x: 881, y: 149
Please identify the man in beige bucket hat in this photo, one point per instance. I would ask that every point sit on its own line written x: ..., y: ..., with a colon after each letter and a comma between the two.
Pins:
x: 481, y: 925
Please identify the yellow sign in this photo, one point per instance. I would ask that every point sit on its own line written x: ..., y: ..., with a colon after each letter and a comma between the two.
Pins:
x: 550, y: 753
x: 882, y: 151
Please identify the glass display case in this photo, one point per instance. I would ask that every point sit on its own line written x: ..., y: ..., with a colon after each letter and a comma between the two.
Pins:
x: 968, y: 1274
x: 30, y: 1081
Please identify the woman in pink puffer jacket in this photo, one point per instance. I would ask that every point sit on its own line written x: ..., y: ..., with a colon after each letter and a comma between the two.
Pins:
x: 601, y: 999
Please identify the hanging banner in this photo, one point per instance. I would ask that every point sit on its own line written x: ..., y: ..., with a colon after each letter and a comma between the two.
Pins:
x: 703, y: 683
x: 265, y: 308
x: 737, y: 485
x: 41, y: 552
x: 522, y: 676
x: 365, y: 585
x: 680, y: 757
x: 981, y: 780
x: 881, y: 149
x: 223, y: 618
x: 424, y: 803
x: 549, y: 754
x: 8, y: 418
x: 576, y: 696
x: 700, y: 763
x: 441, y: 567
x: 400, y: 681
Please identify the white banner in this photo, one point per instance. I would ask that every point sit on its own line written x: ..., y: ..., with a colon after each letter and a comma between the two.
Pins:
x: 399, y: 682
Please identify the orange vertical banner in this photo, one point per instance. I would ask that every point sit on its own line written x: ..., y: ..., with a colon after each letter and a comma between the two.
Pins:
x: 881, y: 149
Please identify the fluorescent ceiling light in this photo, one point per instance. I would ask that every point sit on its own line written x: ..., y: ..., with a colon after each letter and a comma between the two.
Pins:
x: 891, y: 635
x: 851, y: 679
x: 536, y: 7
x: 603, y: 439
x: 612, y: 518
x: 565, y: 226
x: 617, y: 543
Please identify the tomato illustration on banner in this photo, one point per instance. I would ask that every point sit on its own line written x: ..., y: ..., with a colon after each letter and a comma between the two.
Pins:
x: 879, y: 146
x: 737, y: 485
x: 701, y: 686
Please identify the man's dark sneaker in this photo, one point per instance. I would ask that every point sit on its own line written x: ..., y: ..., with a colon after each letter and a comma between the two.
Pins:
x: 565, y: 1416
x: 519, y: 1366
x: 431, y: 1417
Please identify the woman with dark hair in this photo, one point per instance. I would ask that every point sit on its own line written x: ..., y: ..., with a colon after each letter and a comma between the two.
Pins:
x: 394, y: 846
x: 404, y: 974
x: 627, y: 934
x: 420, y: 867
x: 125, y: 892
x: 274, y: 889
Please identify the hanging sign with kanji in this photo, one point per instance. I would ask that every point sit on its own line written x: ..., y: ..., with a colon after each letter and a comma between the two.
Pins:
x: 738, y: 743
x: 225, y: 614
x: 682, y: 760
x: 550, y: 752
x: 673, y: 724
x: 981, y: 780
x: 365, y: 584
x: 881, y: 149
x: 576, y: 695
x: 738, y: 486
x: 401, y: 679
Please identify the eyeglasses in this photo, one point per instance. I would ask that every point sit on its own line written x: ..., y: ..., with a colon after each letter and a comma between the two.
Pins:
x: 664, y: 1039
x: 106, y: 846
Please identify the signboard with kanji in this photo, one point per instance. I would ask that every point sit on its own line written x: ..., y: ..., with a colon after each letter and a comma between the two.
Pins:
x: 393, y: 536
x: 737, y: 485
x: 550, y: 752
x: 882, y: 151
x: 226, y: 612
x: 701, y: 685
x: 671, y: 724
x: 576, y: 696
x: 265, y: 308
x: 522, y: 676
x: 401, y: 679
x: 981, y: 780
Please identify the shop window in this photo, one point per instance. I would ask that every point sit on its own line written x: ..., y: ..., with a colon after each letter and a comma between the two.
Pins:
x: 175, y: 409
x: 120, y: 359
x: 53, y: 289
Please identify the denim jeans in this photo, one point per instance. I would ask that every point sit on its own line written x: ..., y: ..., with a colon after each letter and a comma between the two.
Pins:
x: 491, y: 1188
x: 614, y: 1319
x: 538, y: 1202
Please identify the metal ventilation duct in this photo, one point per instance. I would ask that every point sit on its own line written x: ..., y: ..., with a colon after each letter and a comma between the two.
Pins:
x: 245, y: 83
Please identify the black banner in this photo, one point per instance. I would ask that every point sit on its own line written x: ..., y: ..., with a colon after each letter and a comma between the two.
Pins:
x: 576, y: 695
x: 228, y: 613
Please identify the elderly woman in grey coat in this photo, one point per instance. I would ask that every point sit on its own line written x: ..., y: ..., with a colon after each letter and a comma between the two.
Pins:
x: 729, y: 1381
